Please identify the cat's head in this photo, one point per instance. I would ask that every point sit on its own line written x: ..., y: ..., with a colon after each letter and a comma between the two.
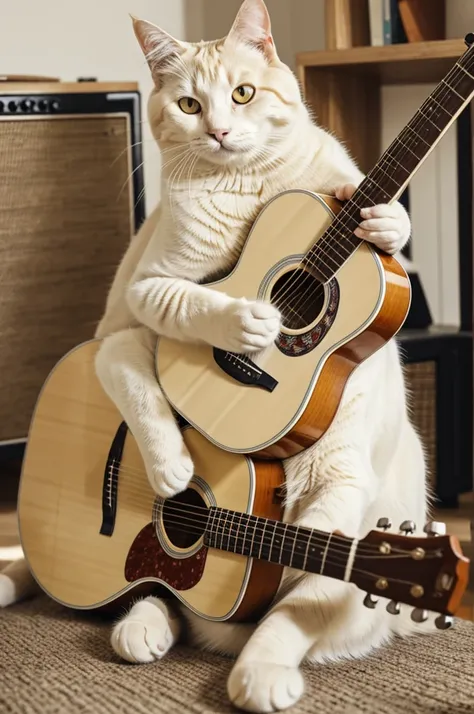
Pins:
x: 230, y: 101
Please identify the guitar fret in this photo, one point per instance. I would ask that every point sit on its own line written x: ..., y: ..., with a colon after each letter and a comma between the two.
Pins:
x: 465, y: 70
x: 262, y: 538
x: 239, y: 525
x: 420, y: 111
x: 392, y: 158
x: 222, y: 523
x: 432, y: 98
x: 453, y: 90
x: 405, y: 146
x: 231, y: 535
x: 325, y: 553
x: 418, y: 136
x: 388, y: 176
x: 283, y: 542
x: 211, y: 533
x: 306, y: 553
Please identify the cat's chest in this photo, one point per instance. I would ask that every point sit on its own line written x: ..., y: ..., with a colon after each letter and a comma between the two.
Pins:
x: 212, y: 226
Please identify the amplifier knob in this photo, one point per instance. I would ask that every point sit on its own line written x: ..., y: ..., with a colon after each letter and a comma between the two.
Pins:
x: 27, y: 105
x: 43, y: 105
x: 13, y: 106
x: 2, y: 106
x: 55, y: 106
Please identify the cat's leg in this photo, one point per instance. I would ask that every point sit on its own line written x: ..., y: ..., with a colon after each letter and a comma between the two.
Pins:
x: 266, y: 676
x: 147, y: 631
x: 125, y: 366
x: 16, y: 583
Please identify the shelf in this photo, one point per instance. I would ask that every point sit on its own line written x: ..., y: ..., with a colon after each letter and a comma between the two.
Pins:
x: 410, y: 63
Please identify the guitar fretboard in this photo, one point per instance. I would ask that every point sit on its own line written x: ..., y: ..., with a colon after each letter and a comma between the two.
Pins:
x: 391, y: 174
x: 293, y: 546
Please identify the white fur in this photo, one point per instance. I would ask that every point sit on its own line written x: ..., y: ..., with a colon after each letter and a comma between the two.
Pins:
x: 370, y: 462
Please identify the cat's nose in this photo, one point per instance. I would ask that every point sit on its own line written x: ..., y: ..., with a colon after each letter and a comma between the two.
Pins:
x: 218, y: 134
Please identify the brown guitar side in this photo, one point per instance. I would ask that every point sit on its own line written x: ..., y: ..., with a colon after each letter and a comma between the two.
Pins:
x: 265, y: 577
x: 327, y: 395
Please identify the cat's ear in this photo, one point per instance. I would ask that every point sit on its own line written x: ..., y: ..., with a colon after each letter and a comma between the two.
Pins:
x: 252, y: 26
x: 157, y: 46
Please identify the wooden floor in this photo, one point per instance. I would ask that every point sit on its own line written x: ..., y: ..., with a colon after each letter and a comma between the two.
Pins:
x: 459, y: 522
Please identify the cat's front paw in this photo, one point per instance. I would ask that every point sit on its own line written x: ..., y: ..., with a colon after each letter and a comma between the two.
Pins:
x: 264, y: 687
x: 145, y: 634
x: 171, y: 475
x: 247, y: 326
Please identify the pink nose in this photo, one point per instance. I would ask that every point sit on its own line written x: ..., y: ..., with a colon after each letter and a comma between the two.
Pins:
x: 218, y: 134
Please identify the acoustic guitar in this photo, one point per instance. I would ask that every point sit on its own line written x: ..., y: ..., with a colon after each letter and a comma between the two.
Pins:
x: 94, y: 532
x: 339, y: 298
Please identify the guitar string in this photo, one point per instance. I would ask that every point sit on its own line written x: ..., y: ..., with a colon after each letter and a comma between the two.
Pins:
x: 199, y: 511
x: 224, y: 523
x: 413, y: 140
x: 410, y: 143
x: 418, y: 122
x: 415, y: 126
x: 330, y: 560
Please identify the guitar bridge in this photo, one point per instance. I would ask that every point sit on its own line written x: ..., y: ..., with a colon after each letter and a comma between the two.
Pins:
x: 243, y: 370
x: 110, y: 484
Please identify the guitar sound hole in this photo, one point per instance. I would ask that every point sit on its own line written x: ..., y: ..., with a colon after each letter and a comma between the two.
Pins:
x: 185, y: 518
x: 300, y: 298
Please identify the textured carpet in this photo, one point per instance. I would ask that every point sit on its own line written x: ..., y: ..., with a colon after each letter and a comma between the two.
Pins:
x: 56, y: 662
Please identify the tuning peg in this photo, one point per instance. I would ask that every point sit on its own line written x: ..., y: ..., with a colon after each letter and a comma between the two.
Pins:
x: 419, y: 615
x: 384, y: 523
x: 435, y: 528
x: 393, y: 607
x: 469, y: 39
x: 370, y: 601
x: 444, y: 622
x: 407, y: 527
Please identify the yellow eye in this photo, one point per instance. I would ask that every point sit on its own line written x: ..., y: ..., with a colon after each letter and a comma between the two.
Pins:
x: 188, y: 105
x: 243, y: 94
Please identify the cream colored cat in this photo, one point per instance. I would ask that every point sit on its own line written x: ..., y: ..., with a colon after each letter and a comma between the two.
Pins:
x: 230, y: 121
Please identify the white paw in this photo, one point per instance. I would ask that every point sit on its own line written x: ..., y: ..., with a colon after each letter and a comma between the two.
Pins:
x: 171, y: 475
x: 263, y: 687
x: 144, y: 635
x: 7, y: 591
x: 248, y: 326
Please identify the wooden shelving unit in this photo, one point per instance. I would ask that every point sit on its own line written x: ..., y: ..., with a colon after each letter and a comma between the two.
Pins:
x: 343, y: 86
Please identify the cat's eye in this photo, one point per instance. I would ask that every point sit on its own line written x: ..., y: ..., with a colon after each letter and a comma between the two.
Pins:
x: 243, y: 94
x: 188, y: 105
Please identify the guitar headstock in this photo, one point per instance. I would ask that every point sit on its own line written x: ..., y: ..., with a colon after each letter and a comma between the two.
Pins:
x: 430, y: 573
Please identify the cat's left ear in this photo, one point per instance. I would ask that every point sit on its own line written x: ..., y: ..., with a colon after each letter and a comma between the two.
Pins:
x: 252, y: 26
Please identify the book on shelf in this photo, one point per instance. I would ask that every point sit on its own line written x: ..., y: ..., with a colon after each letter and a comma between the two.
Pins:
x: 386, y: 27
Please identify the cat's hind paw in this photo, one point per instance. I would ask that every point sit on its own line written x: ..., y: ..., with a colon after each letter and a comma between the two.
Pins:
x: 146, y: 633
x: 264, y: 687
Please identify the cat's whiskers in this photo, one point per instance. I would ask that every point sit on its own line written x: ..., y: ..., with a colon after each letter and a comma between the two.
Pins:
x: 174, y: 178
x: 130, y: 176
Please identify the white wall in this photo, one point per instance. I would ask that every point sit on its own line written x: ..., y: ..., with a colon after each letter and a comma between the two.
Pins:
x: 297, y: 26
x: 72, y: 38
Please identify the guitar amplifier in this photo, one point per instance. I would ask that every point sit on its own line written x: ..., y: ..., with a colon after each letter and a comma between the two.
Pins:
x: 439, y: 378
x: 71, y: 197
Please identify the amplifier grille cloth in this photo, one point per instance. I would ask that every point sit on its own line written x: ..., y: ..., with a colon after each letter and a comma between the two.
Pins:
x: 64, y: 225
x: 421, y: 384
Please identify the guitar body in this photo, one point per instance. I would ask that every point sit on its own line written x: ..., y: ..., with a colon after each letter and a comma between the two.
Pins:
x: 92, y: 529
x: 340, y: 324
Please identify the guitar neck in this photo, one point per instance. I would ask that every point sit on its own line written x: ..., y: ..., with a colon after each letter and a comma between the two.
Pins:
x: 397, y: 165
x: 305, y: 549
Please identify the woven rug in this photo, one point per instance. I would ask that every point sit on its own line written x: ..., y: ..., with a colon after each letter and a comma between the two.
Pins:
x: 54, y: 661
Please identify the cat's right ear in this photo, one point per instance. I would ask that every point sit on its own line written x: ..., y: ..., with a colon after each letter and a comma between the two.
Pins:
x: 157, y: 46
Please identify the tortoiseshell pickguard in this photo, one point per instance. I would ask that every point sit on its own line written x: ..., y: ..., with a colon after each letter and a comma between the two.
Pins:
x: 147, y: 559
